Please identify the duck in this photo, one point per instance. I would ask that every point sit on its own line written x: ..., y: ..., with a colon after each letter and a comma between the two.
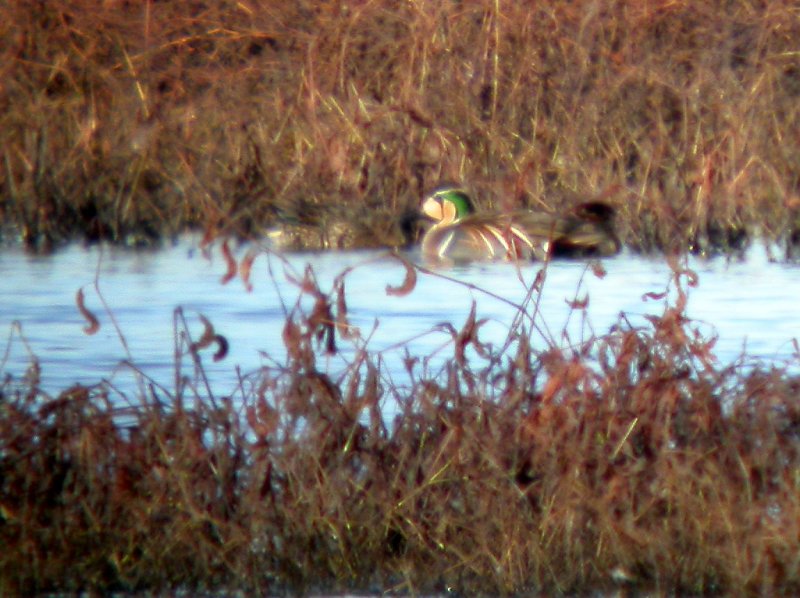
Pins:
x: 459, y: 233
x: 304, y: 226
x: 587, y: 231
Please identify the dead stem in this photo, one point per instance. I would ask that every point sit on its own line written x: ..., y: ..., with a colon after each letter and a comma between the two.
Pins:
x: 325, y: 124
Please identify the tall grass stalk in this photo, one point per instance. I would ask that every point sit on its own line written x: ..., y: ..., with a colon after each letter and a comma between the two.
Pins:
x: 133, y: 121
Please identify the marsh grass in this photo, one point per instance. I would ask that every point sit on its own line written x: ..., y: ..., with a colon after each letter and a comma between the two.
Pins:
x: 629, y: 459
x: 131, y: 121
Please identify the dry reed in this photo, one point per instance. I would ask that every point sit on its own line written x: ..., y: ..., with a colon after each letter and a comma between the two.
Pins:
x: 131, y: 121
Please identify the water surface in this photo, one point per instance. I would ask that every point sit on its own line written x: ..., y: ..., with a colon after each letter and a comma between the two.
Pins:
x: 749, y: 303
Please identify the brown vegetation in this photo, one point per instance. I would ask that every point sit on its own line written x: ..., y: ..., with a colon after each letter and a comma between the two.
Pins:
x: 631, y: 459
x: 130, y: 121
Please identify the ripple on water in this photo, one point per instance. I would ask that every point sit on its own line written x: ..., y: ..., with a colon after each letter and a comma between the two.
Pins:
x: 749, y: 303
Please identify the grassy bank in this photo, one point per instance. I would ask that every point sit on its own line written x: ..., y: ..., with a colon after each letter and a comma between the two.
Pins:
x: 627, y: 460
x: 131, y: 121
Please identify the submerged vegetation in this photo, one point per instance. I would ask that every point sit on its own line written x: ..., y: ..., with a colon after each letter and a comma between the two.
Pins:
x: 129, y: 121
x: 630, y: 459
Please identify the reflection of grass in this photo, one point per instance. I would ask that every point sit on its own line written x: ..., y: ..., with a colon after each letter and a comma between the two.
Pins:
x: 130, y: 121
x: 629, y: 459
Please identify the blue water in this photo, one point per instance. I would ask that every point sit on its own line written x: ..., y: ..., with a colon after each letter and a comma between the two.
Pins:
x: 750, y: 304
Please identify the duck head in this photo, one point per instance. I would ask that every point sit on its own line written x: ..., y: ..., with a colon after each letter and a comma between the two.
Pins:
x: 447, y: 204
x: 596, y: 211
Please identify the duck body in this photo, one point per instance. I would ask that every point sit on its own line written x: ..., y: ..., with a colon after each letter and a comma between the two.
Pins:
x: 459, y: 234
x: 480, y: 238
x: 305, y: 226
x: 588, y: 232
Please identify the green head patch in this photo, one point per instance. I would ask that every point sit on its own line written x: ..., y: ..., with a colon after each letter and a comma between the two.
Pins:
x: 459, y: 198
